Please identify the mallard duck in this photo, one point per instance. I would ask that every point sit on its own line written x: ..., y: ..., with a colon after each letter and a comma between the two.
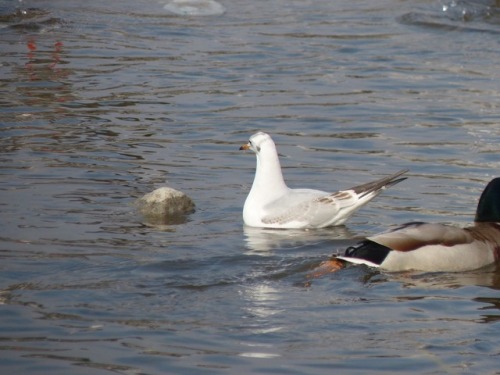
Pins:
x: 272, y: 204
x: 436, y: 247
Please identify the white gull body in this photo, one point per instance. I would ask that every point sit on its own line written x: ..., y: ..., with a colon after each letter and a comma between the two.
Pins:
x: 272, y: 204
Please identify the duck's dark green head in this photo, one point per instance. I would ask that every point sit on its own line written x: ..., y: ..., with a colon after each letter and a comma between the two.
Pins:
x: 488, y: 208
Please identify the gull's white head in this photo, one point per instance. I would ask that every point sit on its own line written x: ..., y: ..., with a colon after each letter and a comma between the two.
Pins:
x: 268, y: 183
x: 258, y: 141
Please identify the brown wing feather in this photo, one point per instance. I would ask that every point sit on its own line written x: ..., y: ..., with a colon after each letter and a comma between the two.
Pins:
x: 413, y: 236
x: 379, y: 184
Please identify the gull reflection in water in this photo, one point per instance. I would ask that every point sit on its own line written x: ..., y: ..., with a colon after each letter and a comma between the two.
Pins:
x: 265, y: 240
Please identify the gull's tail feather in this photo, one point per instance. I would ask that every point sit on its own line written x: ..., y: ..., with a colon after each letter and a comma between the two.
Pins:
x: 378, y: 185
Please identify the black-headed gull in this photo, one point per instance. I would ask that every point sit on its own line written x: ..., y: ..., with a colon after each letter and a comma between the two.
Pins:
x: 272, y: 204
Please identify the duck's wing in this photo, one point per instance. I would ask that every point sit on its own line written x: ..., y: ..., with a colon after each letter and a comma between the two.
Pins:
x: 406, y: 238
x: 412, y: 236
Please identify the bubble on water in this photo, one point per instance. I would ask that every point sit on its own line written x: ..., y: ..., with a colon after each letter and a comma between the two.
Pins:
x: 195, y: 7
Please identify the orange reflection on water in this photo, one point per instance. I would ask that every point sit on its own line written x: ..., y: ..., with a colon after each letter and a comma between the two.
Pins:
x: 46, y: 66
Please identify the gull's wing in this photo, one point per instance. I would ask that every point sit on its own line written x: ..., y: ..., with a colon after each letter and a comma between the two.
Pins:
x: 312, y: 208
x: 306, y: 208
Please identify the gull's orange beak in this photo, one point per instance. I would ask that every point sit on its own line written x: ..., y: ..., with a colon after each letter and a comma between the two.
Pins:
x: 245, y: 147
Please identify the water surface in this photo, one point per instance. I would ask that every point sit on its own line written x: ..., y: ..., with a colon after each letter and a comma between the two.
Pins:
x: 105, y: 101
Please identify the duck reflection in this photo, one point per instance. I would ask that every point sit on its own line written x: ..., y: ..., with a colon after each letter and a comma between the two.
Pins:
x: 491, y: 308
x: 488, y: 276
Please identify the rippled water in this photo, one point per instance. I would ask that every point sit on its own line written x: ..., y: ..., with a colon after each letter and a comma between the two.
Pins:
x: 105, y: 101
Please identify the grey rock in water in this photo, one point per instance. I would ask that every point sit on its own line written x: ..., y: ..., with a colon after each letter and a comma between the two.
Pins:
x: 165, y: 206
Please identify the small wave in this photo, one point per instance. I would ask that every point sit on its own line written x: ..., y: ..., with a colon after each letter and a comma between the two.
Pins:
x: 195, y: 7
x: 459, y: 10
x: 457, y: 15
x: 20, y: 15
x: 30, y: 20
